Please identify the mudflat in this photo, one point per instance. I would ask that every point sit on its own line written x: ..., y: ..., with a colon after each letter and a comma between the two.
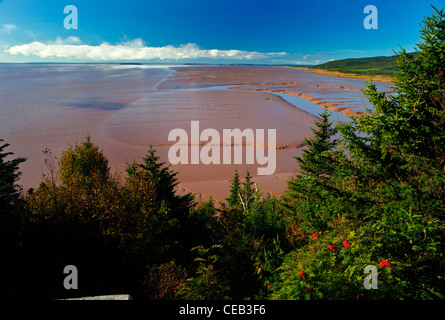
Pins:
x: 124, y: 110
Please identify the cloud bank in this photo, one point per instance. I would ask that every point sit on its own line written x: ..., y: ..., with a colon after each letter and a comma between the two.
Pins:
x: 8, y: 28
x: 72, y: 48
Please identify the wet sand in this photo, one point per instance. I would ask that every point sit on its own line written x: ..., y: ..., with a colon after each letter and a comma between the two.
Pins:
x: 127, y: 112
x: 151, y: 121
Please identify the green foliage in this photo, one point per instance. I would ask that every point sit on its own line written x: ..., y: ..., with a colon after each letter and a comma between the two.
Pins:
x: 140, y: 224
x: 248, y: 192
x: 162, y: 179
x: 9, y: 174
x: 10, y: 199
x: 165, y: 281
x: 71, y: 222
x: 388, y: 193
x: 88, y: 192
x: 249, y: 236
x: 155, y: 221
x: 405, y: 240
x: 317, y: 160
x: 244, y: 195
x: 310, y: 195
x: 206, y: 284
x: 235, y: 190
x: 83, y: 166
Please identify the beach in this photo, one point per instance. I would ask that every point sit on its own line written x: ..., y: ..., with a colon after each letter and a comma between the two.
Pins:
x: 127, y: 108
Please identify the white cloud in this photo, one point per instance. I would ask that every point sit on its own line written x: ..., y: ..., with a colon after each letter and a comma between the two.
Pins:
x: 73, y: 48
x: 8, y: 28
x: 69, y: 40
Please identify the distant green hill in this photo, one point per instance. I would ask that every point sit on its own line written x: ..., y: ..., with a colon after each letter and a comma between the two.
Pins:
x: 375, y: 65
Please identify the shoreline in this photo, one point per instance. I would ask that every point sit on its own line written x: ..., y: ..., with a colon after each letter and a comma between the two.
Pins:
x: 347, y: 111
x: 382, y: 78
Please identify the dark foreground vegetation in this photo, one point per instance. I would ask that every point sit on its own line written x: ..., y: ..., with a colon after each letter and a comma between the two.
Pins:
x: 373, y: 197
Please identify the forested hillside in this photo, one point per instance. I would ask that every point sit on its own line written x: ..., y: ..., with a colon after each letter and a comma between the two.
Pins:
x: 374, y: 65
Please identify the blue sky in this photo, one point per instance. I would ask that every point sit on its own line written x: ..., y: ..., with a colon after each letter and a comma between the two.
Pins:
x: 208, y: 31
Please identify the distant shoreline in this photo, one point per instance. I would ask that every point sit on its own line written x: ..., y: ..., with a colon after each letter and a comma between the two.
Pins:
x: 382, y: 78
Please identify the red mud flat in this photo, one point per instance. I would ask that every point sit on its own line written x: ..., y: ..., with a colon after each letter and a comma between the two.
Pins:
x: 151, y: 123
x: 136, y: 111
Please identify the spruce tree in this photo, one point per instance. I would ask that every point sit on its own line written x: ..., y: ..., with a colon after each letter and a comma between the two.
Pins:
x: 9, y: 174
x: 318, y: 164
x: 235, y: 191
x: 248, y: 190
x: 403, y: 138
x: 390, y: 199
x: 9, y: 197
x: 162, y: 179
x: 315, y: 159
x: 157, y: 219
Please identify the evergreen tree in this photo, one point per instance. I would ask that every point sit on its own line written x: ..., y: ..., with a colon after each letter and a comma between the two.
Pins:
x: 157, y: 224
x: 405, y: 130
x: 161, y: 179
x: 316, y: 158
x: 248, y: 191
x: 12, y: 225
x: 388, y: 206
x: 235, y: 190
x: 318, y: 165
x: 9, y: 175
x: 9, y: 197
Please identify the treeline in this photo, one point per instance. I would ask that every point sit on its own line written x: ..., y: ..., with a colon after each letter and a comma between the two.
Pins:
x: 373, y: 197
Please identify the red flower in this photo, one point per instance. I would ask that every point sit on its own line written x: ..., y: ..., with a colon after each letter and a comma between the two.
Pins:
x: 255, y: 241
x: 385, y: 263
x: 331, y: 247
x: 301, y: 272
x: 314, y: 235
x: 268, y: 286
x: 345, y: 244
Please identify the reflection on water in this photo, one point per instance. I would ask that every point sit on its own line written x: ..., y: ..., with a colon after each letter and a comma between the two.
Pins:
x: 299, y: 102
x: 311, y: 107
